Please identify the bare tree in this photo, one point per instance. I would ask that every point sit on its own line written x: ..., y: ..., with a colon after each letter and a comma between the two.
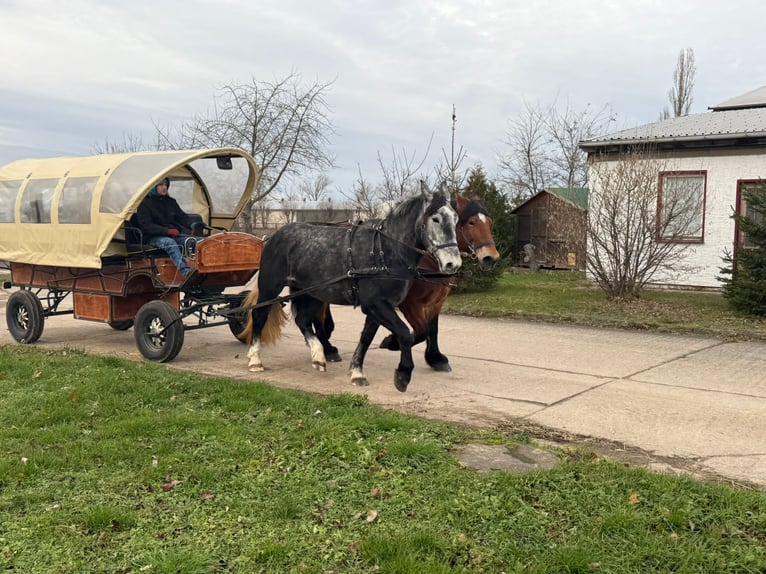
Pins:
x: 315, y: 189
x: 400, y: 174
x: 524, y: 167
x: 632, y: 236
x: 680, y: 95
x: 284, y: 124
x: 567, y: 128
x: 130, y: 143
x: 362, y: 198
x: 542, y: 148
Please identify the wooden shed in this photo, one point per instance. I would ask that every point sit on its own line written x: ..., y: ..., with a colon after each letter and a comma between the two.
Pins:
x: 554, y: 223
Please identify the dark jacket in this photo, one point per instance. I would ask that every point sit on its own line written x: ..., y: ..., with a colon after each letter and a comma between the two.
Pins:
x: 159, y: 212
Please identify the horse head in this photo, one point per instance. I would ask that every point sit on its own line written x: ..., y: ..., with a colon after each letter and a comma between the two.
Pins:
x: 438, y: 232
x: 474, y: 232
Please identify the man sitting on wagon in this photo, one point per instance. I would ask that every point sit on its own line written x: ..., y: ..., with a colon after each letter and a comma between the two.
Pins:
x: 165, y: 225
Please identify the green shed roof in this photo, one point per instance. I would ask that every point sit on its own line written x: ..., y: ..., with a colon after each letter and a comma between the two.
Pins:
x: 576, y: 195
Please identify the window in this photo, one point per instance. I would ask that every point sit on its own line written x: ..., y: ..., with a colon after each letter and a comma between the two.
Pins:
x: 76, y: 197
x: 36, y: 200
x: 8, y: 192
x: 681, y: 206
x: 745, y: 188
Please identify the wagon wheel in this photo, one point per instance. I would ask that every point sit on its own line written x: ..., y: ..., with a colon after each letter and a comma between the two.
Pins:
x: 236, y: 324
x: 24, y: 315
x: 159, y: 332
x: 121, y: 325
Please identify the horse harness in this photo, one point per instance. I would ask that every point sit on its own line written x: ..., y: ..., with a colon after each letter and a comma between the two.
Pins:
x: 474, y: 207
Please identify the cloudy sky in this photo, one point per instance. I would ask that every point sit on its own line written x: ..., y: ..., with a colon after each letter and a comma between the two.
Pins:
x: 80, y: 72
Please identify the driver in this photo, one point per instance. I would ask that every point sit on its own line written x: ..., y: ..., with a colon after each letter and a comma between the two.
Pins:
x: 165, y: 225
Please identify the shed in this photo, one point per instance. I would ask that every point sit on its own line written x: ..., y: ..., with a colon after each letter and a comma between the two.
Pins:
x: 554, y: 222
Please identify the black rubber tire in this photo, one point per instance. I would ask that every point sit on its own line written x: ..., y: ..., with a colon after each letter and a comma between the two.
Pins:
x: 24, y: 316
x: 121, y: 325
x: 236, y: 324
x: 153, y: 318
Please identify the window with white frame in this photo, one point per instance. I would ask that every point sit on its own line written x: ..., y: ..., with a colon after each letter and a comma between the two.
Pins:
x: 681, y: 206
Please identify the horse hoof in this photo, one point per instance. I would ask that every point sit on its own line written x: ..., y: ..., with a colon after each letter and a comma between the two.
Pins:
x: 442, y: 367
x: 360, y: 382
x: 333, y: 356
x: 321, y: 367
x: 390, y: 343
x: 401, y: 381
x: 256, y: 368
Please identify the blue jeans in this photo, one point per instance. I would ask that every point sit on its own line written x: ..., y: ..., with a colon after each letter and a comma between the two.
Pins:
x: 174, y: 247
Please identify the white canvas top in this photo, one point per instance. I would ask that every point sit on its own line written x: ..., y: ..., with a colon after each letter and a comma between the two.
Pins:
x: 66, y: 211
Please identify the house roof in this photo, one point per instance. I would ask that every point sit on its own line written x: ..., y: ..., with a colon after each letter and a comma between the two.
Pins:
x: 577, y: 196
x: 741, y: 119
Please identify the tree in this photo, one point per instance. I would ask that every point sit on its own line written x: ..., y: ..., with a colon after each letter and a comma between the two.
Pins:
x: 284, y: 124
x: 315, y: 189
x: 130, y: 143
x: 525, y: 165
x: 680, y: 95
x: 632, y: 236
x: 542, y: 148
x: 744, y: 277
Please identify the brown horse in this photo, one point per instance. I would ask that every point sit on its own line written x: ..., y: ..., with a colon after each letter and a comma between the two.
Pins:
x: 426, y: 297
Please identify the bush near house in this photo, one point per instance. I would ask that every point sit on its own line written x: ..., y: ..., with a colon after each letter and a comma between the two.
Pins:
x: 744, y: 276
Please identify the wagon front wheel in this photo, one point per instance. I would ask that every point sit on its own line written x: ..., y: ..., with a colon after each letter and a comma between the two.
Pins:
x: 158, y: 331
x: 121, y: 325
x: 24, y: 315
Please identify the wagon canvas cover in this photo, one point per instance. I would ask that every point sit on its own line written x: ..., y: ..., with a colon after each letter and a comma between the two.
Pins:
x: 70, y: 211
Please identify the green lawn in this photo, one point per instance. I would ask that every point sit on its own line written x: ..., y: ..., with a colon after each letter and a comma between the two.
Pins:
x: 566, y: 297
x: 124, y: 467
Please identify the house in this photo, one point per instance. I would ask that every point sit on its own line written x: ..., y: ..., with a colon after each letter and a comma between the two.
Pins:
x: 711, y: 158
x: 553, y: 221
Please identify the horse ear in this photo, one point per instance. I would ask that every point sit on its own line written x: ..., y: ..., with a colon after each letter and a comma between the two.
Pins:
x: 424, y: 191
x: 461, y: 201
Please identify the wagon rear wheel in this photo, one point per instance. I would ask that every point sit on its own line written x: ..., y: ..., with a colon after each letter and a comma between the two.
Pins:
x: 121, y: 325
x: 237, y: 322
x: 24, y: 315
x: 158, y: 331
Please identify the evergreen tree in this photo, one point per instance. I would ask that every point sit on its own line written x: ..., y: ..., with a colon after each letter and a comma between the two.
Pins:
x: 744, y: 277
x: 473, y: 278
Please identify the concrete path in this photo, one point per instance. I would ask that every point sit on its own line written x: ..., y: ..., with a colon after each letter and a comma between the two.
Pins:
x: 671, y: 402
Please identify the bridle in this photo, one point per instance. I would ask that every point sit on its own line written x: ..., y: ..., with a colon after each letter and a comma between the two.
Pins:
x: 473, y: 208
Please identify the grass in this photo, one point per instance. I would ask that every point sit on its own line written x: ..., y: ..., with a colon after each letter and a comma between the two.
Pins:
x: 566, y: 297
x: 115, y: 466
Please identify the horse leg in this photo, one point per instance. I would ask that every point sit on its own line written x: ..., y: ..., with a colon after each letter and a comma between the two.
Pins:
x: 324, y: 326
x: 306, y: 309
x: 434, y: 357
x: 387, y: 317
x: 260, y: 317
x: 356, y: 368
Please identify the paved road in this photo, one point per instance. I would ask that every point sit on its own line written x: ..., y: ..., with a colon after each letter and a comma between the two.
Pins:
x: 695, y: 403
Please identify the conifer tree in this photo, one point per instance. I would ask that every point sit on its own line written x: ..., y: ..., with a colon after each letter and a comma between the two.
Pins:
x: 744, y: 277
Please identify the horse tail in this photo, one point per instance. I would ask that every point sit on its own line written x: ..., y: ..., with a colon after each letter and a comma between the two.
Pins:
x: 272, y: 330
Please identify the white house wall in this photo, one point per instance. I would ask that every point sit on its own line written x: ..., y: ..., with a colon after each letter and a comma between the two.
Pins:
x: 724, y: 168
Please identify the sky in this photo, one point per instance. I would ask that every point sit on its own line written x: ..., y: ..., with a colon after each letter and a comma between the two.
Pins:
x: 77, y: 74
